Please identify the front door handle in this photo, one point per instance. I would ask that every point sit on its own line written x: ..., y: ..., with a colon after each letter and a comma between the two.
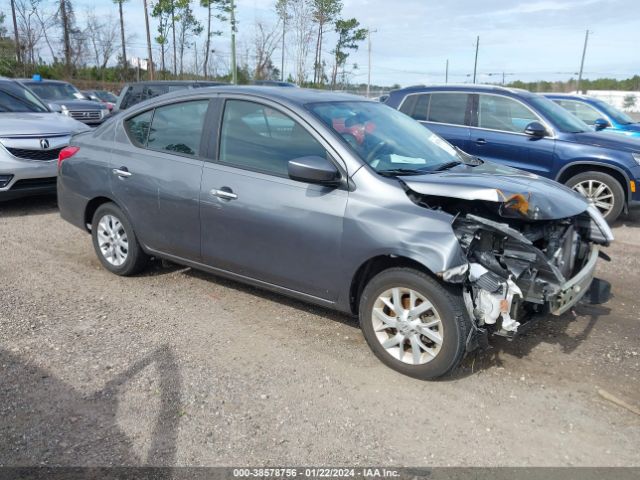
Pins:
x: 122, y: 172
x: 225, y: 193
x: 481, y: 141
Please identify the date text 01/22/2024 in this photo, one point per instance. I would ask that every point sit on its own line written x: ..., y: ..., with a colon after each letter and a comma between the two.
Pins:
x: 316, y: 472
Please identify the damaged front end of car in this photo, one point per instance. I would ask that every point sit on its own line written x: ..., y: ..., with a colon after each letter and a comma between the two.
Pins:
x: 527, y: 256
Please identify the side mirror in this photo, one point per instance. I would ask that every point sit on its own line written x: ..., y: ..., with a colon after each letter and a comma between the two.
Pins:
x: 601, y: 124
x: 314, y: 169
x: 54, y: 107
x: 536, y: 130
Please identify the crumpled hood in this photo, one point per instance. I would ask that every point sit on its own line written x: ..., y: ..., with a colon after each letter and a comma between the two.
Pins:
x: 607, y: 140
x: 536, y: 198
x: 43, y: 124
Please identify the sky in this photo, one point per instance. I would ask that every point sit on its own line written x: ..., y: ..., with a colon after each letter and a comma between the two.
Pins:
x: 412, y: 40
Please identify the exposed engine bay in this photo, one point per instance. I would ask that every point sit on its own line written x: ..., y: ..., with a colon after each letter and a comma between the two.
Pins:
x: 520, y: 262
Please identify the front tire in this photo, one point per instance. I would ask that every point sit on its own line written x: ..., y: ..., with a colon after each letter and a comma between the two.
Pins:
x: 115, y: 242
x: 414, y: 324
x: 603, y: 190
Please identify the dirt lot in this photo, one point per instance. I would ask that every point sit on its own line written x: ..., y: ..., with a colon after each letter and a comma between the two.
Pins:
x: 180, y: 367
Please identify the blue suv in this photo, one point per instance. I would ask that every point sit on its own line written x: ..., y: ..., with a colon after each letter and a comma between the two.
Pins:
x: 597, y: 113
x: 528, y: 131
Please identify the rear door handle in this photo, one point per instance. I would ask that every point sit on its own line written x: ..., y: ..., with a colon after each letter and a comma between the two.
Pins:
x: 481, y: 141
x: 225, y: 193
x: 122, y: 172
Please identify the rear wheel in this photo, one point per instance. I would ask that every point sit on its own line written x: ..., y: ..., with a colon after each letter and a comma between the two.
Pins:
x: 604, y: 191
x: 115, y: 242
x: 413, y: 324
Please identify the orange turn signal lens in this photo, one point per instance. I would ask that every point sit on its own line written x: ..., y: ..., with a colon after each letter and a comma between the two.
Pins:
x: 633, y: 186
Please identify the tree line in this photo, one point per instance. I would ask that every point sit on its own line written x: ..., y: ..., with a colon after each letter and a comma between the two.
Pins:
x: 629, y: 84
x: 52, y: 38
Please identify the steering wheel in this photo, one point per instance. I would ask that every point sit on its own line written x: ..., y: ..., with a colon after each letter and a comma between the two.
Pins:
x: 375, y: 150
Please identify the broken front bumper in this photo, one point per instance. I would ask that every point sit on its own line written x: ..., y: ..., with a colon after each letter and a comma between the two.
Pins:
x: 575, y: 288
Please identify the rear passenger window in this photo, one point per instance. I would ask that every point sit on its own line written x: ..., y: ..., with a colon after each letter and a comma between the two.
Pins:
x: 178, y: 127
x: 257, y: 137
x: 448, y: 108
x: 138, y: 128
x: 416, y: 106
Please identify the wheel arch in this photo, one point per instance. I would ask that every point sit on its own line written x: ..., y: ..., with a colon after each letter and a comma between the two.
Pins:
x: 91, y: 208
x: 373, y: 266
x: 575, y: 168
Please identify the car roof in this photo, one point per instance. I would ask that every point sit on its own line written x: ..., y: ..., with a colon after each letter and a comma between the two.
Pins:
x: 464, y: 87
x: 175, y: 82
x: 44, y: 80
x: 570, y: 96
x: 296, y: 96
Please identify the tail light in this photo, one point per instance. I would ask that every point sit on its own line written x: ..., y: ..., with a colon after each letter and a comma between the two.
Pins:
x: 66, y: 152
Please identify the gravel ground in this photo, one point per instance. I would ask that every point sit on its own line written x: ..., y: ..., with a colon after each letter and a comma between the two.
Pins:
x: 177, y: 367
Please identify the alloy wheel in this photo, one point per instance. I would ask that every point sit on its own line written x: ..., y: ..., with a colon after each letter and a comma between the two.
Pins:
x: 598, y: 193
x: 407, y: 325
x: 112, y: 240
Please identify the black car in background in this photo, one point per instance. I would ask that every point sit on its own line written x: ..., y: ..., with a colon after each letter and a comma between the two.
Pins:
x: 65, y: 98
x: 134, y: 93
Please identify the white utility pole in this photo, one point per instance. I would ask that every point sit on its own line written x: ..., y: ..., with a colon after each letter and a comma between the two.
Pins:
x: 369, y: 32
x: 475, y: 65
x: 234, y: 68
x: 584, y: 53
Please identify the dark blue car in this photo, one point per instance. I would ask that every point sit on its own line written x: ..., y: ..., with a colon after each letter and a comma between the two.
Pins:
x: 597, y: 113
x: 528, y: 131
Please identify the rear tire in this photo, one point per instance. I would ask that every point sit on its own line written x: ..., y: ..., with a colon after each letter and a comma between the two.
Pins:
x: 115, y: 242
x: 425, y: 338
x: 601, y: 188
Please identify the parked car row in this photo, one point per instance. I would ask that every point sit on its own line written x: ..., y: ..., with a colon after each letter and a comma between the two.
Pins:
x: 531, y: 132
x: 38, y: 116
x: 508, y: 126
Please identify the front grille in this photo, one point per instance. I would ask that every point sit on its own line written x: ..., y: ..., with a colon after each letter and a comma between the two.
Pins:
x: 85, y: 115
x: 34, y: 183
x: 42, y: 155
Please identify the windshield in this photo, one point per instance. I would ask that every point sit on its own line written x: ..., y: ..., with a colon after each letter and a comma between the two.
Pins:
x: 387, y: 140
x: 618, y: 116
x: 561, y: 119
x: 55, y: 91
x: 15, y: 98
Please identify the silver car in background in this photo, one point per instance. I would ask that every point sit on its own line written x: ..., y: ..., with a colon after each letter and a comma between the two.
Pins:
x: 31, y: 137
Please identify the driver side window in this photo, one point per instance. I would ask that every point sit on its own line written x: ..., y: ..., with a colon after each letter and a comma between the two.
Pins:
x: 260, y: 138
x: 505, y: 114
